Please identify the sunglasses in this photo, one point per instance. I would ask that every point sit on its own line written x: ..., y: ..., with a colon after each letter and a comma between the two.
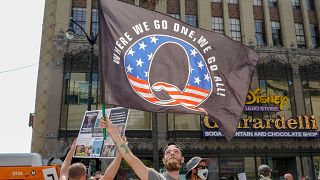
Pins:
x: 202, y: 167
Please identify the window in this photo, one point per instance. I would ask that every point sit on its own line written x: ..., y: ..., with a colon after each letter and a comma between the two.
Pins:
x: 216, y: 0
x: 228, y: 165
x: 301, y: 42
x: 79, y: 15
x: 276, y: 33
x: 275, y: 79
x: 260, y: 33
x: 94, y: 21
x: 139, y: 120
x: 311, y: 91
x: 316, y: 164
x: 257, y: 2
x: 279, y: 87
x: 314, y: 35
x: 217, y: 25
x: 310, y: 5
x: 272, y: 3
x: 311, y: 88
x: 192, y: 20
x: 295, y: 4
x: 183, y: 122
x: 235, y: 32
x: 76, y: 97
x: 77, y: 91
x: 177, y: 16
x: 233, y: 2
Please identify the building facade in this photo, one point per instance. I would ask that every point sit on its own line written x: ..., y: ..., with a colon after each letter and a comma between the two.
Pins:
x: 279, y: 126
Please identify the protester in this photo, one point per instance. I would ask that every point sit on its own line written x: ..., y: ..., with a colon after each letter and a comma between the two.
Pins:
x: 265, y: 172
x: 91, y: 178
x: 172, y: 159
x: 196, y: 169
x: 113, y: 168
x: 77, y: 171
x: 98, y: 175
x: 288, y: 176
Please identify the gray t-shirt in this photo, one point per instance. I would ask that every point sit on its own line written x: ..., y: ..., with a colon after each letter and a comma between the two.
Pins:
x: 154, y: 175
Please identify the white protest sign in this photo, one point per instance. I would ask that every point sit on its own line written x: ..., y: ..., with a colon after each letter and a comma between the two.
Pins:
x: 50, y: 174
x: 242, y: 176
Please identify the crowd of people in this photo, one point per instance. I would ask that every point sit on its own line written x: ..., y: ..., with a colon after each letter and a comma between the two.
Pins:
x: 173, y: 160
x: 78, y: 171
x: 265, y: 173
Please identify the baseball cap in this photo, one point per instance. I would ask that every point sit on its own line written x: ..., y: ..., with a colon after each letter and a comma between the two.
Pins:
x: 191, y: 164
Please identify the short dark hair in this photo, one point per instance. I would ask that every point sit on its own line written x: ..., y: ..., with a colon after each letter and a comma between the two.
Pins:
x: 170, y: 144
x: 76, y: 170
x: 264, y: 170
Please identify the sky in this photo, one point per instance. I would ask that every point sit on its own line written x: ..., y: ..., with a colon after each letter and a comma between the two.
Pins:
x: 21, y: 28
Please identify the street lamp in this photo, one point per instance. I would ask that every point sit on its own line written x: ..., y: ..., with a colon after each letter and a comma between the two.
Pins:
x: 92, y: 39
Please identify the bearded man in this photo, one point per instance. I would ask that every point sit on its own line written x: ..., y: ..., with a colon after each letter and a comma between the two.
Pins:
x: 172, y: 160
x: 172, y: 157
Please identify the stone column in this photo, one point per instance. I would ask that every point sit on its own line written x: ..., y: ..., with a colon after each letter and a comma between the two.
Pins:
x: 204, y: 14
x: 50, y: 78
x: 287, y: 23
x: 183, y: 10
x: 298, y: 94
x: 267, y: 22
x: 306, y: 24
x: 88, y: 17
x: 162, y: 6
x: 226, y: 17
x: 317, y: 7
x: 247, y: 21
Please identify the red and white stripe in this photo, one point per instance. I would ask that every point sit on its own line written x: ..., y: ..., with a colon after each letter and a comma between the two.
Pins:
x: 191, y: 97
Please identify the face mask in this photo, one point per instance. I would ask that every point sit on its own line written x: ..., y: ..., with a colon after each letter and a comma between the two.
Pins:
x: 203, y: 173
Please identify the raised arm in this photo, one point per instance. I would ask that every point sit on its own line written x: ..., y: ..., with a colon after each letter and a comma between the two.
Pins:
x: 67, y: 162
x: 138, y: 167
x: 113, y: 168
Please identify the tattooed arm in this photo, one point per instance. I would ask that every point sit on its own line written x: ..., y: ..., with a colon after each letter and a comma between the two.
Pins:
x: 138, y: 167
x: 113, y: 168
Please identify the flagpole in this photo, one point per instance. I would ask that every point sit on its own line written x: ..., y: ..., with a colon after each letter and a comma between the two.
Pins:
x: 104, y: 116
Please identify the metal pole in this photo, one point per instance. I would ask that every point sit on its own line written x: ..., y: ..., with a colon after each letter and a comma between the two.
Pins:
x: 301, y: 164
x: 92, y: 40
x: 90, y: 77
x: 155, y: 152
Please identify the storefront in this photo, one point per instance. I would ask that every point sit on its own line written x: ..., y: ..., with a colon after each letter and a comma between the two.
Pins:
x: 279, y: 141
x: 279, y: 126
x: 268, y: 133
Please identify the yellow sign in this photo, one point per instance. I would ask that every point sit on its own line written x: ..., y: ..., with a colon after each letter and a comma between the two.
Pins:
x: 254, y: 96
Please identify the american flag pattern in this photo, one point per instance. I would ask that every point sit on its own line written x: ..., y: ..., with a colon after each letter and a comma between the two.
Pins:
x: 137, y: 62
